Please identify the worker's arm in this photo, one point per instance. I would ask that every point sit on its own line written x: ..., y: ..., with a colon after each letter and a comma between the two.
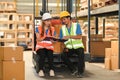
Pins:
x: 37, y: 34
x: 73, y: 37
x: 38, y: 37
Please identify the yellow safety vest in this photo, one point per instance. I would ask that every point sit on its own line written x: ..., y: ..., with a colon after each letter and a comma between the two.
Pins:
x: 72, y: 43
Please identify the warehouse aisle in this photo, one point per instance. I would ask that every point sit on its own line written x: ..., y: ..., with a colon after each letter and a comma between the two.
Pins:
x: 94, y: 71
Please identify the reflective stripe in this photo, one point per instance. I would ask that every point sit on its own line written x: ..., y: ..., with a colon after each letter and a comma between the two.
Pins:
x: 48, y: 47
x: 75, y: 28
x: 38, y: 46
x: 45, y: 44
x: 49, y: 42
x: 75, y: 46
x: 64, y: 30
x: 75, y: 43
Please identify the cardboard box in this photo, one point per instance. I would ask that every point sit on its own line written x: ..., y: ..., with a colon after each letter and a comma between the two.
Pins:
x: 11, y: 53
x: 108, y: 52
x: 1, y: 71
x: 97, y: 48
x: 96, y: 37
x: 114, y: 62
x: 10, y: 70
x: 58, y: 47
x: 108, y: 63
x: 114, y: 46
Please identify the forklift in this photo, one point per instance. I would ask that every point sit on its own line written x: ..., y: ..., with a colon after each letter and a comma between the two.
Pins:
x: 55, y: 20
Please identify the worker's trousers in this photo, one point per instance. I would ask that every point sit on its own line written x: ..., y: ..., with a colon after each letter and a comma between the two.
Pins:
x: 80, y: 55
x: 42, y: 55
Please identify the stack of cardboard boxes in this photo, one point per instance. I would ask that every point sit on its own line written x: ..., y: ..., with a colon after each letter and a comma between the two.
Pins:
x: 16, y: 29
x: 111, y: 56
x: 11, y: 63
x: 110, y: 30
x: 98, y: 45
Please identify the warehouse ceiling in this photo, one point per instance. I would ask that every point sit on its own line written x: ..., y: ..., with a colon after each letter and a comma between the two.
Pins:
x: 27, y: 6
x: 24, y: 6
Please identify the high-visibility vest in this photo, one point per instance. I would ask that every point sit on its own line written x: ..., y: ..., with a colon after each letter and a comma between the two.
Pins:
x: 45, y: 44
x: 72, y: 43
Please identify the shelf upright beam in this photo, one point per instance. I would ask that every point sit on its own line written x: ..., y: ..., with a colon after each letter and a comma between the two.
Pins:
x: 76, y: 9
x: 89, y: 26
x: 78, y: 5
x: 37, y: 8
x: 69, y: 6
x: 44, y: 6
x: 62, y: 5
x: 33, y: 39
x: 58, y: 6
x: 119, y: 35
x: 47, y: 6
x: 96, y: 24
x: 103, y: 27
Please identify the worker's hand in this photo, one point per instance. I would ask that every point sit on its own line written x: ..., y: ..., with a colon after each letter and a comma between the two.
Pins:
x: 66, y: 37
x: 40, y: 39
x: 52, y: 41
x: 65, y: 50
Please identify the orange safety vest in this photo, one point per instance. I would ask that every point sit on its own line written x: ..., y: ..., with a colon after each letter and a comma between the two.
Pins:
x: 45, y: 44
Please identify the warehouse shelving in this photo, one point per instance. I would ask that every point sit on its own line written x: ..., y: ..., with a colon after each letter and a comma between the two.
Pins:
x: 15, y: 28
x: 101, y: 12
x: 106, y: 11
x: 7, y: 6
x: 24, y: 28
x: 25, y: 17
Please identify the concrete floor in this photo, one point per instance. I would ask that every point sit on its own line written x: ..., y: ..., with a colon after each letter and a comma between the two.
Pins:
x: 94, y: 71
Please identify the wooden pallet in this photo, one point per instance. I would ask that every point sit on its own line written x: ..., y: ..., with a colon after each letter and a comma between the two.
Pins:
x: 110, y: 2
x: 98, y: 5
x: 9, y: 11
x: 7, y: 6
x: 83, y: 8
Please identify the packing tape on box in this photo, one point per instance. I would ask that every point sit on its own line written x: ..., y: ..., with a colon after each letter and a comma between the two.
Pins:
x: 13, y: 60
x: 14, y: 48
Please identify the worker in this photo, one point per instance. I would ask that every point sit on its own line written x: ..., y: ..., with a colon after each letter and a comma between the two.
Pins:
x: 74, y: 19
x: 44, y: 48
x: 72, y: 33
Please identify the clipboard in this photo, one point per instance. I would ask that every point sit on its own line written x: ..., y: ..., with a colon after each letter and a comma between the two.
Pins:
x: 54, y: 39
x: 61, y: 40
x: 49, y: 38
